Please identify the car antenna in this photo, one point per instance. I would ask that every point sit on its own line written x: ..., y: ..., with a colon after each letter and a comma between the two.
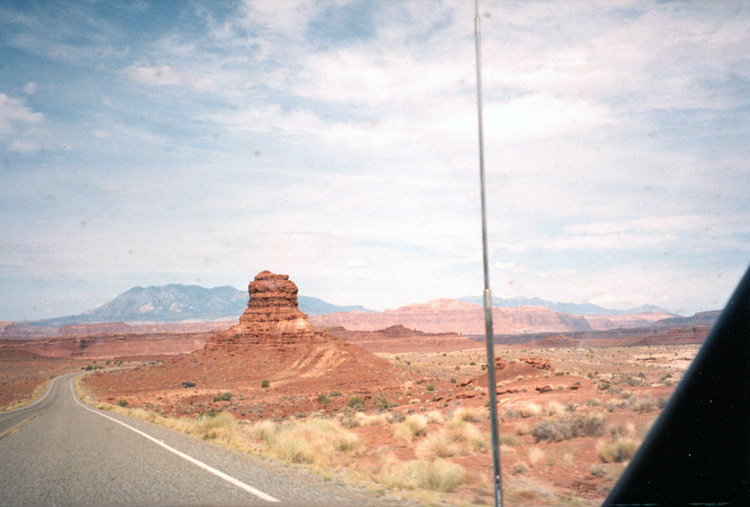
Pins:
x: 487, y: 293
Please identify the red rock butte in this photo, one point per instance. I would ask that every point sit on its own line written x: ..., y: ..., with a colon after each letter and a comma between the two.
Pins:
x: 271, y: 318
x: 273, y: 340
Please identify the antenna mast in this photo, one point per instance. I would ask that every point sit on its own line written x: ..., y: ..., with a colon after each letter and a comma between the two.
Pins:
x: 487, y: 294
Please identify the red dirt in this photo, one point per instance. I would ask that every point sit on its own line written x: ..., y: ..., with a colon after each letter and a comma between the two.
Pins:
x: 112, y: 346
x: 21, y: 372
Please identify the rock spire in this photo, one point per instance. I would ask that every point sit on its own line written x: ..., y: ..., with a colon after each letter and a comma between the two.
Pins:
x: 272, y: 316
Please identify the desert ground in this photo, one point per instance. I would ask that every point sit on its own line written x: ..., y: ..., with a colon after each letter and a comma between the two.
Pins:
x: 24, y: 376
x: 440, y: 416
x: 397, y: 411
x: 569, y: 419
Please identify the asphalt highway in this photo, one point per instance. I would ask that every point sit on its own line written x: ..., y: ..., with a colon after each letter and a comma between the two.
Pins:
x: 58, y: 451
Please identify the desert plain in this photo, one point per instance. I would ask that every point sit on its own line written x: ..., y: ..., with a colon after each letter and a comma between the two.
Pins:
x: 400, y: 412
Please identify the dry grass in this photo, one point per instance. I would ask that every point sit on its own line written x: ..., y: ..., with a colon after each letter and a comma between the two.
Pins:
x: 263, y: 430
x: 457, y: 438
x: 222, y: 428
x: 317, y: 442
x: 435, y: 475
x: 519, y: 468
x: 618, y: 451
x: 535, y: 455
x: 363, y: 419
x: 435, y: 416
x: 413, y: 426
x: 472, y: 415
x: 522, y: 428
x: 525, y: 490
x: 570, y: 426
x: 554, y: 408
x: 530, y: 409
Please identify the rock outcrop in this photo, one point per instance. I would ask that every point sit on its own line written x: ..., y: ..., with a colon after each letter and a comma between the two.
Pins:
x: 272, y: 317
x: 506, y: 370
x: 272, y: 343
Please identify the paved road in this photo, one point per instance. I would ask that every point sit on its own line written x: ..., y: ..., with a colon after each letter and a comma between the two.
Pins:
x: 60, y: 452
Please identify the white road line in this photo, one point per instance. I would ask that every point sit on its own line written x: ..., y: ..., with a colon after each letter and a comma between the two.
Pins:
x: 260, y: 494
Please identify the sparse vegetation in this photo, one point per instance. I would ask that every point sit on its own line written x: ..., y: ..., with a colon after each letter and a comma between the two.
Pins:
x: 535, y: 455
x: 362, y: 419
x: 383, y: 403
x: 470, y: 414
x: 313, y: 441
x: 457, y: 438
x: 530, y: 409
x: 440, y: 435
x: 436, y: 475
x: 223, y: 397
x: 411, y: 427
x: 598, y: 470
x: 519, y: 468
x: 265, y: 383
x: 568, y: 427
x: 618, y: 451
x: 357, y: 402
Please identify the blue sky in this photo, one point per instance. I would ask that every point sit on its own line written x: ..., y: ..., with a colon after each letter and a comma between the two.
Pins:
x: 145, y: 143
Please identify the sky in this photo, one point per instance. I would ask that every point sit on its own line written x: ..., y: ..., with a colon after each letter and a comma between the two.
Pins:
x: 147, y: 142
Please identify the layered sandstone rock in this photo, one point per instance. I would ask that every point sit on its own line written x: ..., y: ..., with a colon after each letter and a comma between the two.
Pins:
x: 272, y: 317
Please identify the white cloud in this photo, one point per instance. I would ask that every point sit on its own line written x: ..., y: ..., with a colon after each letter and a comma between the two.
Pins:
x: 198, y: 78
x: 367, y: 164
x: 622, y: 241
x: 30, y: 88
x: 647, y: 224
x: 356, y: 263
x: 380, y: 77
x: 155, y: 76
x: 14, y: 111
x: 528, y: 117
x: 689, y: 231
x: 24, y: 146
x: 289, y: 18
x: 509, y: 266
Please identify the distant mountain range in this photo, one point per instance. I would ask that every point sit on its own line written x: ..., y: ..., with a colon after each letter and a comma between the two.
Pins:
x: 180, y: 303
x: 177, y: 303
x: 572, y: 308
